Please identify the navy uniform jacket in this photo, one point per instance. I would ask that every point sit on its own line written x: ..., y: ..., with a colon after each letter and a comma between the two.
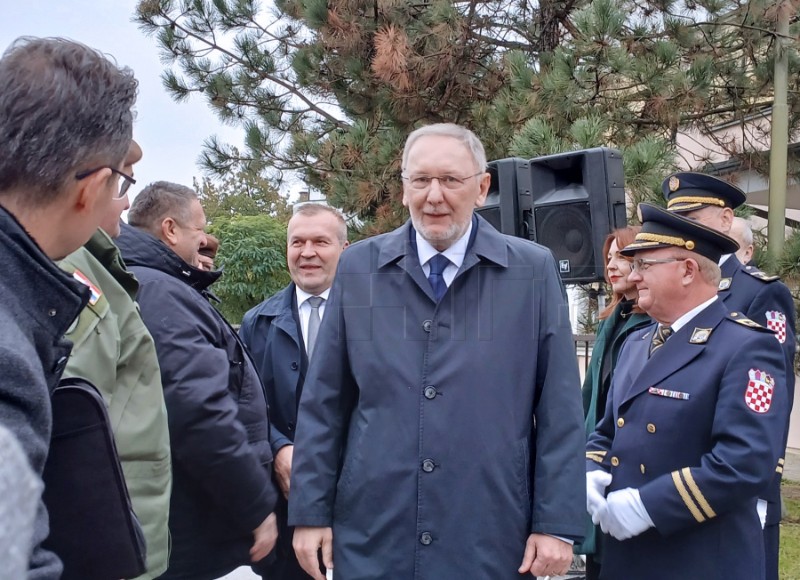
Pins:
x: 689, y: 429
x: 416, y: 437
x: 747, y: 290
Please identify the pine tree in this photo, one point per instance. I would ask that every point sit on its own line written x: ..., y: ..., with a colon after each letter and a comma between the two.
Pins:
x: 332, y: 88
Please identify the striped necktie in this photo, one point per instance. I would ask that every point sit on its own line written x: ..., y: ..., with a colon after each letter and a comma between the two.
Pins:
x: 660, y: 337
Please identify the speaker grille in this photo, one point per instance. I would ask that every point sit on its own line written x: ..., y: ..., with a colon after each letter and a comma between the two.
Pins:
x: 566, y: 229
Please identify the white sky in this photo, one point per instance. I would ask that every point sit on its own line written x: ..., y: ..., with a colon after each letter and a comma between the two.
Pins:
x: 171, y: 134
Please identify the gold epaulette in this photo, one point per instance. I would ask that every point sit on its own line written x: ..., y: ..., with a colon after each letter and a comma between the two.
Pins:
x: 759, y: 275
x: 744, y: 321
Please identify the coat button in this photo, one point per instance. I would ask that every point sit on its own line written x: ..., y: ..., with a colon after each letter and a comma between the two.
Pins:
x: 430, y: 392
x: 425, y: 538
x: 428, y: 465
x: 52, y: 312
x: 615, y: 461
x: 60, y: 365
x: 290, y: 425
x: 620, y: 422
x: 294, y: 365
x: 427, y: 325
x: 651, y: 428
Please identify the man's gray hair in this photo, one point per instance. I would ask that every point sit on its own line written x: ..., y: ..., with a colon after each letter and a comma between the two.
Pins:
x: 743, y: 226
x: 64, y: 108
x: 462, y: 134
x: 312, y: 209
x: 709, y: 269
x: 158, y: 201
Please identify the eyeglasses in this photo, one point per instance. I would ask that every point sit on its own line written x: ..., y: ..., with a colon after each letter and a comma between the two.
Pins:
x: 449, y: 182
x: 643, y: 264
x: 126, y: 185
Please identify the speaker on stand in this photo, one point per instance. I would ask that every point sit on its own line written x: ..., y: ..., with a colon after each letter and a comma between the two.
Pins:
x: 508, y: 201
x: 578, y: 198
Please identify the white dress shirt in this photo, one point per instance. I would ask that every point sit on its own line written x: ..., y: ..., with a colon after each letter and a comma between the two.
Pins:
x: 304, y: 308
x: 454, y: 253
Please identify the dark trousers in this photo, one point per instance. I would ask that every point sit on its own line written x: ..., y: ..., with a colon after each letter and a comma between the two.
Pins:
x: 772, y: 543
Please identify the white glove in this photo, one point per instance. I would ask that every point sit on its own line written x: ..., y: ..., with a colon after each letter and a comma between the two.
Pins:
x: 625, y: 515
x: 596, y: 483
x: 761, y: 509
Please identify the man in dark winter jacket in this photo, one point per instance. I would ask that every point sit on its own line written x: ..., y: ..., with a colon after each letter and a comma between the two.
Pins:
x: 65, y: 127
x: 222, y: 494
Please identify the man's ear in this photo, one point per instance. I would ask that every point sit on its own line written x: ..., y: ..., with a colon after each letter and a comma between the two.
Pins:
x: 91, y: 191
x: 692, y: 271
x: 168, y: 231
x: 484, y: 183
x: 727, y: 220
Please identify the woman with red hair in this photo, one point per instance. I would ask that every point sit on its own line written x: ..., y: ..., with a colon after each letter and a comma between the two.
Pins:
x: 619, y: 319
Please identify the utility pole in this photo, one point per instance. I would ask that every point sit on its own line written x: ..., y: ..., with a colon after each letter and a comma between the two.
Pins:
x: 779, y: 138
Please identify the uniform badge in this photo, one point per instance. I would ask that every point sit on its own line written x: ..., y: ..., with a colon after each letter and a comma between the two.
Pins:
x: 96, y: 294
x: 776, y: 322
x: 758, y: 396
x: 700, y: 335
x: 674, y: 183
x: 724, y: 284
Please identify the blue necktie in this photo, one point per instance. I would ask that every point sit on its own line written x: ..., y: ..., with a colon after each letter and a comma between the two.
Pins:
x: 437, y: 265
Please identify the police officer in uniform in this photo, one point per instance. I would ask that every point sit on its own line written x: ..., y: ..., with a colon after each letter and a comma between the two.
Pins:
x: 695, y: 419
x: 746, y: 289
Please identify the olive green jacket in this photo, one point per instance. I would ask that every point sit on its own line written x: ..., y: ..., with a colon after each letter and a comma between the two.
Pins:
x: 115, y: 352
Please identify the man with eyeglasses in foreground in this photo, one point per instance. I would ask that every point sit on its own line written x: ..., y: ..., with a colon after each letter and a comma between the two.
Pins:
x: 746, y: 289
x: 65, y: 126
x: 694, y: 423
x: 115, y: 352
x: 440, y: 428
x: 221, y: 509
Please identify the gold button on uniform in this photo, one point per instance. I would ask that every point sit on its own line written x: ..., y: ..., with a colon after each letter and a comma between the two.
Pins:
x: 620, y: 422
x: 651, y: 428
x: 615, y: 461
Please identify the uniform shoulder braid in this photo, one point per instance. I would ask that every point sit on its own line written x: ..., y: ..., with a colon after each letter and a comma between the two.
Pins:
x: 740, y: 318
x: 759, y: 275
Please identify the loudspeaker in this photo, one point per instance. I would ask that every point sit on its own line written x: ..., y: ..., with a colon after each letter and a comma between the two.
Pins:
x: 578, y: 198
x: 508, y: 202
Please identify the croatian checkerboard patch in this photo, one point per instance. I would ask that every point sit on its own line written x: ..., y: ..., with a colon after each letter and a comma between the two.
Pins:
x: 760, y: 387
x: 776, y: 322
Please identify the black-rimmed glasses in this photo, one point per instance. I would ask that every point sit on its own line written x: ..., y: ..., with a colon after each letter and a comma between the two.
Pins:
x: 126, y: 184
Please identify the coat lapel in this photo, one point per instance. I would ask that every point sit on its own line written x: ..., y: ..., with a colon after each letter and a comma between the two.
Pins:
x: 487, y: 243
x: 676, y: 353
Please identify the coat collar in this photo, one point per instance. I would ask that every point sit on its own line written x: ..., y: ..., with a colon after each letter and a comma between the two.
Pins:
x: 280, y: 307
x: 49, y: 295
x: 139, y: 248
x: 487, y: 243
x: 674, y: 355
x: 398, y: 247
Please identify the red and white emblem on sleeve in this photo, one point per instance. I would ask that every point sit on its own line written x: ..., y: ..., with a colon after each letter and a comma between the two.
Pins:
x: 776, y: 322
x: 759, y: 391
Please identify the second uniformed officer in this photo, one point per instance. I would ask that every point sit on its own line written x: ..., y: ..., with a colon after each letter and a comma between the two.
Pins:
x: 695, y: 419
x: 746, y: 289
